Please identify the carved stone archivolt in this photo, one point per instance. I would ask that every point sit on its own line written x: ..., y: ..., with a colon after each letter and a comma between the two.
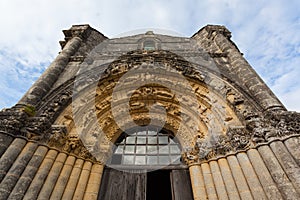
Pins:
x: 197, y: 110
x: 215, y: 106
x: 127, y: 61
x: 195, y: 118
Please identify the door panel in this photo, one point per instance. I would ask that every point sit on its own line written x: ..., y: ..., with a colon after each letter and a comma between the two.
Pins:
x: 181, y: 184
x: 119, y: 185
x: 111, y: 185
x: 135, y: 186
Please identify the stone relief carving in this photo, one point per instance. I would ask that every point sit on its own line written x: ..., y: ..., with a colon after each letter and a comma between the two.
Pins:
x: 37, y: 128
x: 12, y: 120
x: 18, y: 120
x: 233, y: 98
x: 274, y: 125
x: 190, y: 157
x: 239, y: 103
x: 237, y: 138
x: 285, y: 123
x: 70, y: 143
x: 56, y: 104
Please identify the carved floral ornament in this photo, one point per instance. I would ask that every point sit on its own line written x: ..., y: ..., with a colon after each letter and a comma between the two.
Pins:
x: 55, y: 102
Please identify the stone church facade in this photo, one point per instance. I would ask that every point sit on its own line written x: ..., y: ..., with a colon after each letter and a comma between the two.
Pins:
x: 149, y: 116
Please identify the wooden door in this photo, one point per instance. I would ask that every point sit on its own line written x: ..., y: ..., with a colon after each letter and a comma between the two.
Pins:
x: 181, y: 185
x: 119, y: 185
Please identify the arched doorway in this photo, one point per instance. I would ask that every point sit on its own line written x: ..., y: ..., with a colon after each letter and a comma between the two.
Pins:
x: 146, y: 165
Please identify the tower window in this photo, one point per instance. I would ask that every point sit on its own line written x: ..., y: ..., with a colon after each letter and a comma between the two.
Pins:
x: 149, y: 45
x: 146, y: 147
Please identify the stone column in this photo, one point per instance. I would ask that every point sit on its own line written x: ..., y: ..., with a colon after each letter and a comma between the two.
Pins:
x: 83, y: 181
x: 40, y: 177
x: 279, y: 176
x: 240, y: 67
x: 191, y: 158
x: 73, y: 180
x: 93, y: 186
x: 292, y: 145
x: 42, y: 86
x: 248, y: 76
x: 197, y: 182
x: 62, y: 180
x: 208, y: 181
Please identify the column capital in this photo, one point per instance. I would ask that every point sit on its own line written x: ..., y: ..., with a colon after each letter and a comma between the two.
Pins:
x: 190, y: 157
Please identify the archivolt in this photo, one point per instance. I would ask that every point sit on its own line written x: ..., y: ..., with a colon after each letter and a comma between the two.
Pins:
x: 212, y: 116
x: 212, y: 113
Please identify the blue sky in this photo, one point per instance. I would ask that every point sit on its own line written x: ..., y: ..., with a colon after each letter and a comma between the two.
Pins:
x: 267, y: 32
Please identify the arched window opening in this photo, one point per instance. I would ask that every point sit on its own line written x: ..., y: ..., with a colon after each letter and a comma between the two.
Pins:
x: 146, y: 147
x: 138, y: 167
x: 149, y: 45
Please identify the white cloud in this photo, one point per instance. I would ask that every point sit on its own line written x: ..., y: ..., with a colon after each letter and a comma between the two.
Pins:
x: 266, y: 31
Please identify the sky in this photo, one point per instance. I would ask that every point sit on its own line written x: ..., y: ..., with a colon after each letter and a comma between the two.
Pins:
x: 267, y: 32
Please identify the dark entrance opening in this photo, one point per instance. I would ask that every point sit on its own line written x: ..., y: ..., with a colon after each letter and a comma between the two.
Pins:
x: 159, y: 185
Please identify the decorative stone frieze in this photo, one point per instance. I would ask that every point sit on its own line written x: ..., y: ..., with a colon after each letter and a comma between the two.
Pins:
x: 237, y: 138
x: 133, y: 58
x: 70, y: 143
x: 37, y: 128
x: 12, y: 120
x: 274, y: 125
x: 55, y: 105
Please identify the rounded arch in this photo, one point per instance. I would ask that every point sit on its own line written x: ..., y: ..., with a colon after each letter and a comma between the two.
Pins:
x: 210, y: 105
